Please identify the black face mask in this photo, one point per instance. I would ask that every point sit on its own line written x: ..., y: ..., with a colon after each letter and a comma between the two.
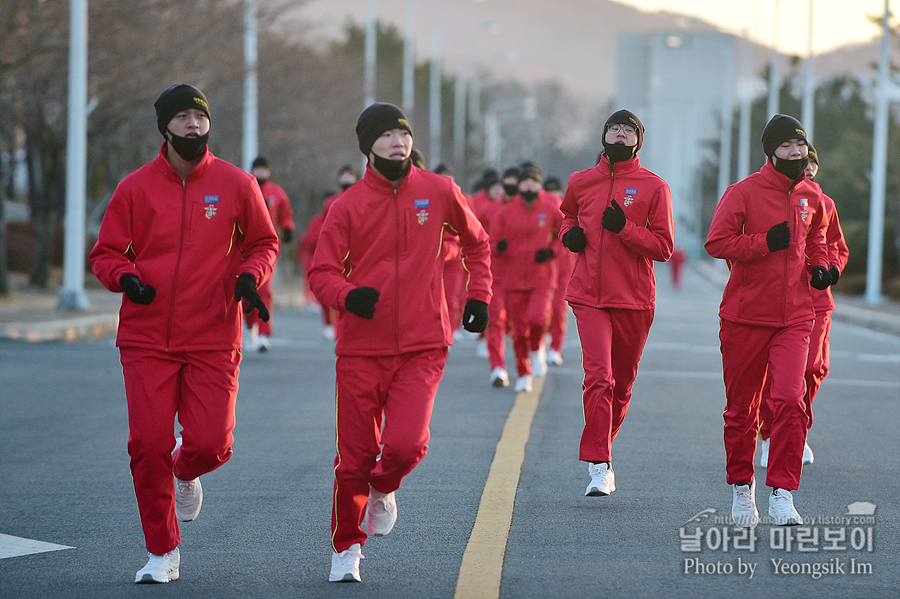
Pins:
x: 261, y: 181
x: 618, y: 152
x: 345, y: 186
x: 529, y: 196
x: 189, y: 148
x: 393, y: 170
x: 510, y: 190
x: 792, y: 169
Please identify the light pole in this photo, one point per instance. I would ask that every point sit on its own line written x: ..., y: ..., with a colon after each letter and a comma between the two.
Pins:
x: 251, y: 106
x: 774, y: 78
x: 879, y: 166
x: 434, y: 87
x: 809, y: 83
x: 72, y: 297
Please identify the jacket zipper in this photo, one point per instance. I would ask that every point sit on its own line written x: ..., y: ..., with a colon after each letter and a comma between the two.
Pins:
x: 784, y: 277
x: 603, y: 232
x: 397, y: 270
x: 177, y: 264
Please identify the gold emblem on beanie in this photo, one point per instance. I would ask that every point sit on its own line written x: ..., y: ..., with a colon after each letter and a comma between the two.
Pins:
x: 403, y: 122
x: 800, y: 132
x: 201, y: 102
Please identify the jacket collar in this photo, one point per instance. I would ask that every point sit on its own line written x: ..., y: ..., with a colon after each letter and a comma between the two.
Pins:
x: 626, y: 166
x: 376, y: 181
x: 167, y: 169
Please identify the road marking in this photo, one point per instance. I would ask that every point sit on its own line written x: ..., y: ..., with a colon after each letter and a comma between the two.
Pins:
x: 482, y: 563
x: 11, y: 546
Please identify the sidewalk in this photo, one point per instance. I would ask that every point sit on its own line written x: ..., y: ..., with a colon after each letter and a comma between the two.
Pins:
x: 851, y: 309
x: 30, y: 314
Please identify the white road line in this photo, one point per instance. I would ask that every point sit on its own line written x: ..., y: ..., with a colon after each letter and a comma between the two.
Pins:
x: 11, y: 546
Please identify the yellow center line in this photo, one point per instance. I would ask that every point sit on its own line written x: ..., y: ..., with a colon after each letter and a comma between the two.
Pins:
x: 482, y: 563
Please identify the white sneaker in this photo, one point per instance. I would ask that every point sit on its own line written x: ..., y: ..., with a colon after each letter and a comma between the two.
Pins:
x: 188, y: 499
x: 262, y: 344
x: 524, y: 384
x: 764, y: 453
x: 743, y: 505
x: 808, y: 456
x: 603, y: 480
x: 328, y: 332
x: 251, y: 338
x: 538, y: 361
x: 160, y: 568
x: 499, y: 377
x: 481, y: 351
x: 554, y: 357
x: 781, y: 508
x: 345, y: 565
x: 381, y: 513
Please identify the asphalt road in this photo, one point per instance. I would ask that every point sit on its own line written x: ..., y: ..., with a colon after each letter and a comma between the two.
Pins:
x: 264, y: 528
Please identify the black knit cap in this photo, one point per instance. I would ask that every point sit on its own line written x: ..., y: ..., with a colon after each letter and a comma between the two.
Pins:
x: 417, y: 158
x: 512, y: 171
x: 531, y: 172
x: 261, y: 161
x: 176, y: 98
x: 779, y: 129
x: 813, y: 155
x: 626, y: 117
x: 348, y: 168
x: 552, y: 184
x: 375, y: 120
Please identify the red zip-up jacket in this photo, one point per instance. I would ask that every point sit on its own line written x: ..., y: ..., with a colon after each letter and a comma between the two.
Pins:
x: 768, y: 288
x: 526, y: 230
x: 279, y: 205
x: 390, y: 239
x: 616, y: 269
x: 838, y: 254
x: 190, y: 240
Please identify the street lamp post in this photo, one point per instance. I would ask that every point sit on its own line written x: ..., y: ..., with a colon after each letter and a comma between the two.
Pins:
x: 251, y: 106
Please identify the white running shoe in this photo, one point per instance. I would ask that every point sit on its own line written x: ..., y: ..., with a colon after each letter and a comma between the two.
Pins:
x: 764, y: 453
x: 743, y: 505
x: 538, y: 361
x: 524, y: 384
x: 481, y: 350
x: 603, y: 480
x: 808, y: 456
x: 328, y: 332
x: 781, y: 508
x: 160, y: 568
x: 262, y: 344
x: 345, y: 565
x: 188, y: 499
x: 499, y: 377
x: 554, y: 357
x: 381, y: 513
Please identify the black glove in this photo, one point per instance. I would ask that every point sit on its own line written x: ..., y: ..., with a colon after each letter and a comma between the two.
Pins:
x: 246, y: 288
x: 821, y: 279
x: 475, y: 316
x: 835, y: 274
x: 779, y: 237
x: 287, y: 235
x: 575, y: 240
x: 613, y: 218
x: 502, y: 245
x: 136, y: 291
x: 543, y: 255
x: 361, y: 301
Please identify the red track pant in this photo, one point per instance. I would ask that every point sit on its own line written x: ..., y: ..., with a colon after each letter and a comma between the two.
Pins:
x: 201, y: 388
x: 528, y: 312
x: 497, y: 328
x: 252, y: 318
x: 393, y: 392
x: 750, y: 355
x: 816, y: 370
x: 559, y: 309
x: 612, y: 342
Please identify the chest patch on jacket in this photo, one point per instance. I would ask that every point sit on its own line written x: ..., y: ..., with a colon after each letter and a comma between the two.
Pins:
x: 630, y: 192
x: 803, y: 205
x: 210, y: 204
x: 542, y: 219
x: 422, y: 214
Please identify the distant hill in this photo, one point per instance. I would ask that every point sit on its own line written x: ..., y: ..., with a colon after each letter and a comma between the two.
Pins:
x: 570, y: 41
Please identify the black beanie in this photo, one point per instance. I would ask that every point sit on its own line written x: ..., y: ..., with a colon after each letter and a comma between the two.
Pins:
x: 490, y: 180
x: 813, y: 155
x: 417, y: 158
x: 512, y: 171
x: 261, y: 161
x: 531, y: 172
x: 348, y: 168
x: 375, y: 120
x: 176, y: 98
x: 552, y: 184
x: 779, y: 129
x: 626, y: 117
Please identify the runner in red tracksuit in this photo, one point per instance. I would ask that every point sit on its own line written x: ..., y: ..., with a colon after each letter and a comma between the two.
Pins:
x: 283, y: 219
x: 497, y: 323
x: 823, y: 305
x: 770, y: 227
x: 378, y: 262
x: 526, y: 230
x: 186, y: 237
x: 559, y: 309
x: 618, y: 220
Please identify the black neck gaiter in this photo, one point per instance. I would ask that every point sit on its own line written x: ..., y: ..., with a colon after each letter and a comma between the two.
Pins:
x: 189, y: 148
x: 392, y: 170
